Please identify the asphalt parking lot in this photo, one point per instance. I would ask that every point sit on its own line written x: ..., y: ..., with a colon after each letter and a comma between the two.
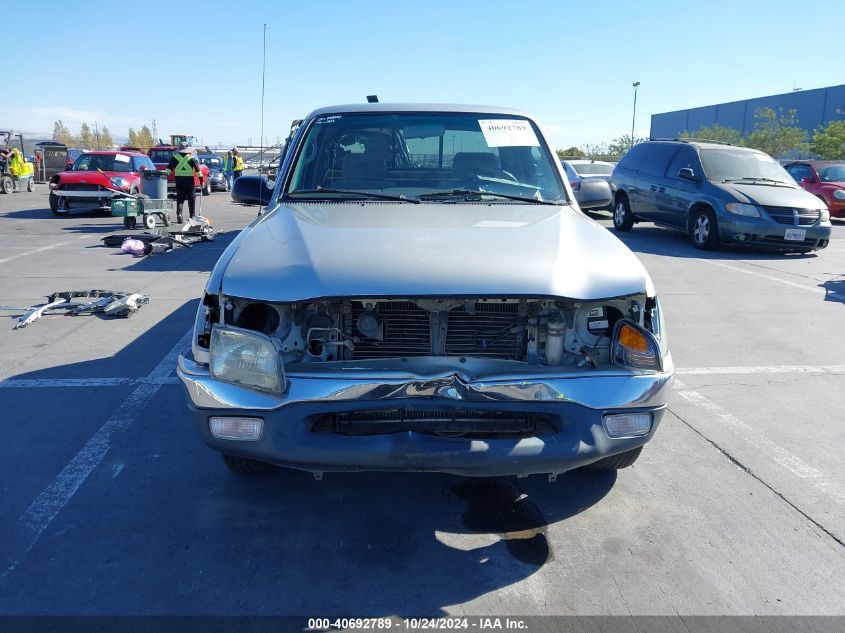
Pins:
x: 112, y: 505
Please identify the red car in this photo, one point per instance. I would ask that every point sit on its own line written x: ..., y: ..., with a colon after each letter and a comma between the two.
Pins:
x: 95, y: 178
x: 161, y: 155
x: 824, y: 179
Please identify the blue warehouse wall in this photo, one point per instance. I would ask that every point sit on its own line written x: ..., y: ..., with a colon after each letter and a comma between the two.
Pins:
x: 814, y: 108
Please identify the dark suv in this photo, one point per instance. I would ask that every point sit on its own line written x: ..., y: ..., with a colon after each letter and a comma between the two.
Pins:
x: 717, y: 194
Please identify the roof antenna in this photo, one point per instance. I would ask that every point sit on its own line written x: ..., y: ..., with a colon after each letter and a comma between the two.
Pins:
x: 372, y: 98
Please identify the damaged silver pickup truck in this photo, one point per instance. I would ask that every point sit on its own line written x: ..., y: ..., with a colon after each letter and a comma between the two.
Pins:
x: 423, y: 294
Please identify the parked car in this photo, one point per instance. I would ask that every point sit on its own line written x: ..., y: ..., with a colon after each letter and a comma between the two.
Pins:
x: 464, y: 318
x: 590, y: 182
x: 72, y: 154
x: 161, y: 155
x: 216, y: 178
x: 95, y: 178
x: 824, y: 179
x: 718, y: 194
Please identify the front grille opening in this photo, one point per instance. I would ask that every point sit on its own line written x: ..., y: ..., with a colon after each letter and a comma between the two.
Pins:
x: 458, y: 424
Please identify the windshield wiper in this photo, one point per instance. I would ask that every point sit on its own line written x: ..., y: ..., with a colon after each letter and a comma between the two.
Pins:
x: 479, y: 192
x: 401, y: 197
x: 756, y: 179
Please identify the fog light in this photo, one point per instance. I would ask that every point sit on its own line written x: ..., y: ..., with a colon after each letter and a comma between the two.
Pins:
x: 246, y: 429
x: 627, y: 424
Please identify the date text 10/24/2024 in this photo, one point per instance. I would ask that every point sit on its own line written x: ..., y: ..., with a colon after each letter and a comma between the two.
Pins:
x: 479, y: 623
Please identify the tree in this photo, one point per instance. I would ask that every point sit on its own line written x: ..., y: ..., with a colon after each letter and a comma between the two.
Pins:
x: 106, y: 141
x: 829, y: 141
x: 572, y: 152
x: 62, y: 134
x: 144, y: 139
x: 619, y: 146
x: 716, y: 132
x: 778, y: 134
x: 86, y: 139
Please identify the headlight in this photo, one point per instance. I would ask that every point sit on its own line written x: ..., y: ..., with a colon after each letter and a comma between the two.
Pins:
x: 824, y: 215
x: 635, y: 348
x: 839, y: 194
x: 247, y: 358
x: 748, y: 210
x: 121, y: 182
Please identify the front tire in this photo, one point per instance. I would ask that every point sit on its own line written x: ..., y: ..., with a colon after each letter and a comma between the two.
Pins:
x: 149, y: 221
x: 623, y: 219
x: 30, y: 186
x: 6, y: 185
x: 56, y: 205
x: 703, y: 230
x: 244, y: 466
x: 129, y: 222
x: 206, y: 190
x: 615, y: 462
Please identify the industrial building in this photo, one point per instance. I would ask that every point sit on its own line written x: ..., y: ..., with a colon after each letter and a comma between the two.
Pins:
x: 813, y: 109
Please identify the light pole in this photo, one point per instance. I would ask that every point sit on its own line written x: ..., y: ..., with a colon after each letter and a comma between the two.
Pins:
x: 634, y: 118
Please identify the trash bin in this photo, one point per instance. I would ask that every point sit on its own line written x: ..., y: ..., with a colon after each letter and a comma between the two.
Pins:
x: 154, y: 184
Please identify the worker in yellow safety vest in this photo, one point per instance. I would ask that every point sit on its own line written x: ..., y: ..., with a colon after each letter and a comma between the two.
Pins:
x: 238, y: 163
x: 183, y: 165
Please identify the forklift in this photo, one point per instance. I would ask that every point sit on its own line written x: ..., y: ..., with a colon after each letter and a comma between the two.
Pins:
x: 10, y: 182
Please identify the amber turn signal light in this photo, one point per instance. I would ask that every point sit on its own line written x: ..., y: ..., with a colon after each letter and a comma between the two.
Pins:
x: 632, y: 339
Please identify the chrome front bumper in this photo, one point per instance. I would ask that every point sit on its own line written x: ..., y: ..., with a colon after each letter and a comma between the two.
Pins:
x: 575, y: 401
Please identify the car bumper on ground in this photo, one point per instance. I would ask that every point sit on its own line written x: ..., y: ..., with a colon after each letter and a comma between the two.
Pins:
x: 296, y: 424
x: 772, y: 234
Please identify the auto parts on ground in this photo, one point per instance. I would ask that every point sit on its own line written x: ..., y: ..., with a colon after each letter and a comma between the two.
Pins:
x: 159, y: 241
x: 107, y: 302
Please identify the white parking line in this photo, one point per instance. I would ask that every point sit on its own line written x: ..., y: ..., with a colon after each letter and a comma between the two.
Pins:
x: 54, y: 497
x: 814, y: 289
x: 758, y: 440
x: 32, y: 252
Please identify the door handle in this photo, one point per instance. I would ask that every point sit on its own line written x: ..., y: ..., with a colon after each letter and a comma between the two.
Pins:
x: 662, y: 189
x: 653, y: 187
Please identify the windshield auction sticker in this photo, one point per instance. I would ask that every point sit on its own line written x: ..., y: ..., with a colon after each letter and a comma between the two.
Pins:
x: 508, y: 133
x: 121, y: 158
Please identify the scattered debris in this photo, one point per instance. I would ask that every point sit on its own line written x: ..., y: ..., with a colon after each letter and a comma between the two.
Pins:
x: 159, y: 241
x: 107, y: 302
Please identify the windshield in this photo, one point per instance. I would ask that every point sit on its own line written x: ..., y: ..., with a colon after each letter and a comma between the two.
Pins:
x: 832, y: 173
x: 106, y: 162
x: 592, y: 169
x: 161, y: 155
x: 740, y: 164
x: 213, y: 162
x: 418, y: 154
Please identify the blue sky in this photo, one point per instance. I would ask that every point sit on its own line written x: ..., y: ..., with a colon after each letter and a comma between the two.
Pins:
x: 195, y: 67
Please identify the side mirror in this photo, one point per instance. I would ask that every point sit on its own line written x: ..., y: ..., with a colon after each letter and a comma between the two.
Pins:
x: 809, y: 180
x: 687, y: 174
x: 252, y: 190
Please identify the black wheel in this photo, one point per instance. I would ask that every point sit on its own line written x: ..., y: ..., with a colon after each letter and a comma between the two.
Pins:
x: 6, y: 185
x: 703, y: 230
x: 206, y: 190
x: 129, y: 221
x: 244, y: 466
x: 623, y: 219
x: 56, y: 205
x: 615, y: 462
x: 30, y: 186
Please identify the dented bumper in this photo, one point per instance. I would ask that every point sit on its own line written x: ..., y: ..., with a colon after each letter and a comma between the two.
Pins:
x: 573, y: 404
